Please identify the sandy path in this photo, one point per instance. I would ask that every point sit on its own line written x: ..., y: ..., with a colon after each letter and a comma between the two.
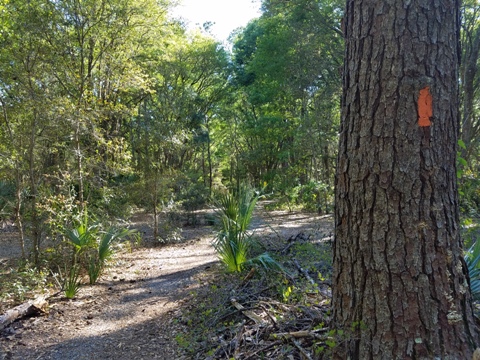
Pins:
x: 129, y: 314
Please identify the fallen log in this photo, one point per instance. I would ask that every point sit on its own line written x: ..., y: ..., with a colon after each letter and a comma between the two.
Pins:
x: 30, y: 308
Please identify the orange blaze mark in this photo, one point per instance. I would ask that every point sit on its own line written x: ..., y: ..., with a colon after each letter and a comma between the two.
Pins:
x: 425, y: 110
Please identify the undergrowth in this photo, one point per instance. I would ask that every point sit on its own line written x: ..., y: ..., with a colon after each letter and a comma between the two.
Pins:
x: 20, y: 281
x: 278, y: 302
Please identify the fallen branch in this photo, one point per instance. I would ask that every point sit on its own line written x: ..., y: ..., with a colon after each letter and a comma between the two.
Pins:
x: 325, y: 293
x: 302, y: 350
x: 249, y: 276
x: 29, y: 308
x: 234, y: 312
x: 265, y: 348
x: 298, y: 334
x: 304, y: 272
x: 250, y: 314
x: 238, y: 340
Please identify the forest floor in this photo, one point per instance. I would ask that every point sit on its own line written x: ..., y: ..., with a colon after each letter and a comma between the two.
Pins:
x: 137, y: 310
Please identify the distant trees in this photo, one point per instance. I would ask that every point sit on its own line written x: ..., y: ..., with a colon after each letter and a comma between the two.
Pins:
x: 69, y: 83
x: 171, y: 134
x: 470, y: 78
x: 287, y: 63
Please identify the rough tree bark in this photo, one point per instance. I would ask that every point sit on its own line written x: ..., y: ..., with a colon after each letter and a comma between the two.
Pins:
x: 400, y: 283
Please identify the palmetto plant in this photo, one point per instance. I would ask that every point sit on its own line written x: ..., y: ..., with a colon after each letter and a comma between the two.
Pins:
x: 92, y: 246
x: 83, y: 236
x: 472, y: 259
x: 71, y: 284
x: 234, y: 215
x: 233, y: 241
x: 104, y: 251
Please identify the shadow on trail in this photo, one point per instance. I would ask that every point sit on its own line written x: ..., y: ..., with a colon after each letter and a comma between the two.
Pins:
x: 138, y: 341
x: 124, y: 300
x: 170, y: 287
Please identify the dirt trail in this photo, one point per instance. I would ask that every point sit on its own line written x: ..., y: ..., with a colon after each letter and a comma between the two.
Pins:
x: 132, y: 312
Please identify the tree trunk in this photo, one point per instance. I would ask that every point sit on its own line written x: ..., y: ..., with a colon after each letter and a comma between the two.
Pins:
x: 210, y: 168
x: 155, y: 204
x: 18, y: 211
x: 18, y: 185
x: 35, y: 219
x: 78, y: 154
x: 400, y: 282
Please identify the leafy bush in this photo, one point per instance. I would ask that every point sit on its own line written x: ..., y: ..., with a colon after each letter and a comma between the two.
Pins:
x: 104, y: 251
x: 7, y: 198
x: 469, y: 190
x: 17, y: 284
x: 314, y: 196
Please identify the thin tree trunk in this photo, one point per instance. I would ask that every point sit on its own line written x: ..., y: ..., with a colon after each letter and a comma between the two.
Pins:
x: 155, y: 206
x: 210, y: 169
x: 18, y: 187
x: 18, y: 211
x: 36, y: 232
x: 400, y: 282
x: 78, y: 151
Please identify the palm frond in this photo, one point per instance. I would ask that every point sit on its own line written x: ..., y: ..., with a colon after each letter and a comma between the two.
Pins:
x: 472, y: 259
x: 234, y: 214
x: 266, y: 262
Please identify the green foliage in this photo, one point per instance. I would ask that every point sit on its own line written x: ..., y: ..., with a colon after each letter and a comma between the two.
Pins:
x: 94, y: 270
x: 234, y: 214
x: 105, y: 251
x: 314, y: 196
x: 99, y: 113
x: 210, y: 312
x: 71, y: 283
x: 83, y: 236
x: 233, y: 242
x: 7, y: 198
x: 92, y: 247
x: 286, y: 69
x: 469, y: 189
x: 17, y: 284
x: 265, y: 262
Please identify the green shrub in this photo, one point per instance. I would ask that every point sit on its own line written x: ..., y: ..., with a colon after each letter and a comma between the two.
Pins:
x: 92, y: 247
x: 18, y: 283
x: 233, y: 242
x: 234, y: 215
x: 104, y: 251
x: 7, y: 200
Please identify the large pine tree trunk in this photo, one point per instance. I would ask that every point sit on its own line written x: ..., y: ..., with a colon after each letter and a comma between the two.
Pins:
x: 400, y: 283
